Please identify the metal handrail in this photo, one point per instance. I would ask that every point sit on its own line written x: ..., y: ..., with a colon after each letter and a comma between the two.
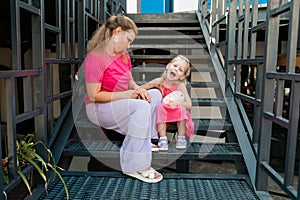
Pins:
x: 259, y: 129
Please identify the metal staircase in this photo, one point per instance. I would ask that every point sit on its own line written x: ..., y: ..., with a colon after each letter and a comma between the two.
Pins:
x: 161, y: 37
x: 237, y: 115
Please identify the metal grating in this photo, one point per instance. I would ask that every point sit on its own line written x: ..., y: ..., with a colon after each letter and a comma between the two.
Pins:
x: 174, y: 186
x: 195, y: 151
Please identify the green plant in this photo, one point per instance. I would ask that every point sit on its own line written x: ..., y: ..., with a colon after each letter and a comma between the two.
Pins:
x: 5, y: 179
x: 27, y: 155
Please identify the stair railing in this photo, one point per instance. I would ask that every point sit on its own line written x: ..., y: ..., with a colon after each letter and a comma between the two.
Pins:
x: 268, y: 97
x: 276, y: 82
x: 38, y: 88
x: 221, y: 19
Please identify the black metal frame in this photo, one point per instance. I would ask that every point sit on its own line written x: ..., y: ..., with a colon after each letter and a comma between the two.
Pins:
x: 57, y: 37
x: 241, y: 24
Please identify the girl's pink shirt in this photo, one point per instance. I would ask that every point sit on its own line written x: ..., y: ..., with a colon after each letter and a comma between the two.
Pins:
x: 111, y: 71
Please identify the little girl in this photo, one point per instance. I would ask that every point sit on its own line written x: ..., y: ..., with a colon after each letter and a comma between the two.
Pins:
x: 172, y: 109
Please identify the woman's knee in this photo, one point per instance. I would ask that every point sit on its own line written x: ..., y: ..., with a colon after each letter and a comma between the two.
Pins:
x: 155, y: 95
x: 142, y: 106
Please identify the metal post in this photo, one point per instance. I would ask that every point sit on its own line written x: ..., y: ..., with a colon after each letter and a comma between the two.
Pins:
x: 230, y: 50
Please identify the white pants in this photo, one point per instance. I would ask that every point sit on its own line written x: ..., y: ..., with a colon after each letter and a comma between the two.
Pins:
x: 136, y: 120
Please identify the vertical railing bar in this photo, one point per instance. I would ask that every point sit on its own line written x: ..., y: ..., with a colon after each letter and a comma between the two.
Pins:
x: 58, y: 24
x: 246, y: 29
x: 38, y: 60
x: 270, y: 52
x: 213, y: 19
x: 10, y: 89
x: 92, y: 9
x: 50, y: 119
x: 81, y: 31
x: 230, y: 39
x: 280, y: 98
x: 1, y: 154
x: 67, y: 28
x: 219, y: 13
x: 29, y: 95
x: 11, y: 127
x: 73, y: 53
x: 254, y: 23
x: 293, y: 36
x: 277, y: 88
x: 239, y: 51
x: 15, y: 34
x: 50, y: 84
x: 253, y: 37
x: 257, y: 108
x: 292, y: 135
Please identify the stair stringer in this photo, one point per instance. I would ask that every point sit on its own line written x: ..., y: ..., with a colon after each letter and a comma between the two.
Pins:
x: 238, y: 126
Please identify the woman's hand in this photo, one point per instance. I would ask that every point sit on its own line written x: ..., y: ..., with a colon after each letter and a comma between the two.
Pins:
x: 141, y: 93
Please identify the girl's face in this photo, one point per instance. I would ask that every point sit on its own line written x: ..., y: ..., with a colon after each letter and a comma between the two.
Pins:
x: 125, y: 38
x: 176, y: 70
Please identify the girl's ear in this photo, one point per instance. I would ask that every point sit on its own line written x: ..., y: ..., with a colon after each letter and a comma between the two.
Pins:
x: 168, y: 65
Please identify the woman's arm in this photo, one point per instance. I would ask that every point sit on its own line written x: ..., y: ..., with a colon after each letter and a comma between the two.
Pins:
x: 141, y: 91
x: 96, y: 95
x: 132, y: 84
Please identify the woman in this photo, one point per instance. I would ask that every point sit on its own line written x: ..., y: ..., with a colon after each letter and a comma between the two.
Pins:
x: 114, y: 101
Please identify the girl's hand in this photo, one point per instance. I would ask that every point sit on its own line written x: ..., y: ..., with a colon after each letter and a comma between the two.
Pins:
x: 174, y: 104
x: 134, y: 94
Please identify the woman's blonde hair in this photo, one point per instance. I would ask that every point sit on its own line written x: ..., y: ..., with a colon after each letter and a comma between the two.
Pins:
x: 104, y: 32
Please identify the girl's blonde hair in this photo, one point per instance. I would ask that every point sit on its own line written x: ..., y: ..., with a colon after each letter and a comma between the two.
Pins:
x: 187, y: 67
x: 104, y: 32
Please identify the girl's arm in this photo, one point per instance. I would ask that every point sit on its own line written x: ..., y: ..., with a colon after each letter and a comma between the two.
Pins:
x: 187, y: 99
x: 152, y: 84
x: 139, y: 92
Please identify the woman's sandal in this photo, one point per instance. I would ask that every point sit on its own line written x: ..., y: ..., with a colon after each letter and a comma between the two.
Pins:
x: 147, y: 176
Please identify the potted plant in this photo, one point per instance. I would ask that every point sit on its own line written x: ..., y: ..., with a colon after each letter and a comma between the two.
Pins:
x: 27, y: 155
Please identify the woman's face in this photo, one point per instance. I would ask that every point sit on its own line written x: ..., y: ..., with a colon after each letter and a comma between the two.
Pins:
x: 125, y: 39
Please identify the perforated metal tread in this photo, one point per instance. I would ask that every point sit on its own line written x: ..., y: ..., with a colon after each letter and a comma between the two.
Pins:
x: 195, y: 151
x: 114, y: 185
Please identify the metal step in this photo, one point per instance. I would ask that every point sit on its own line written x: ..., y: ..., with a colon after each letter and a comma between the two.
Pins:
x: 193, y: 84
x: 153, y: 67
x: 194, y: 151
x: 212, y: 124
x: 168, y: 57
x: 115, y: 185
x: 167, y: 18
x: 167, y: 37
x: 170, y: 38
x: 207, y: 102
x: 168, y: 46
x: 201, y: 124
x: 142, y: 57
x: 176, y: 28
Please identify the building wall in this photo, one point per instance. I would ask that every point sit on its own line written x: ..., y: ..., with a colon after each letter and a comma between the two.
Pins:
x: 152, y: 6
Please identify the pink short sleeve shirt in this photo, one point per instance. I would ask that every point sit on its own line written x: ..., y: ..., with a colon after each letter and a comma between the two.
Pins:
x: 111, y: 71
